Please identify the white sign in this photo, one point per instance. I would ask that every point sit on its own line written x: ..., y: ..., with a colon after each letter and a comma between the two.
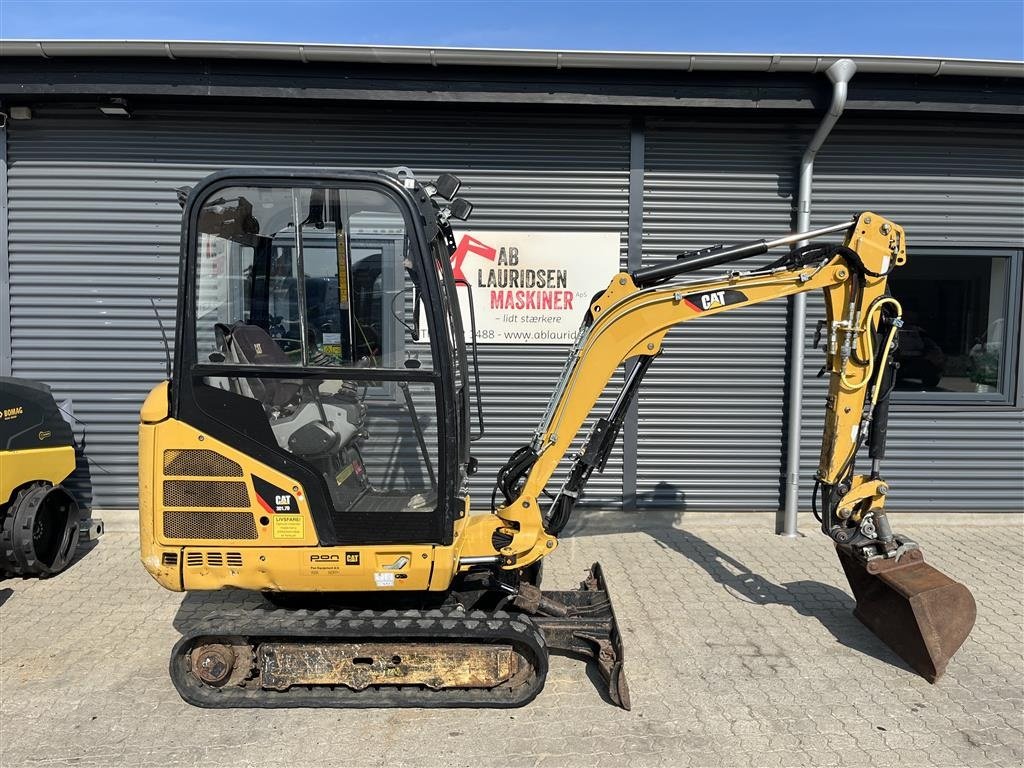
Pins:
x: 531, y: 287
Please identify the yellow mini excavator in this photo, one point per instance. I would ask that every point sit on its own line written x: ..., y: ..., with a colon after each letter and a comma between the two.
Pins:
x: 314, y: 443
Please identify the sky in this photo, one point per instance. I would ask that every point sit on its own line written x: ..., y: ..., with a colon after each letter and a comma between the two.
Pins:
x: 991, y: 29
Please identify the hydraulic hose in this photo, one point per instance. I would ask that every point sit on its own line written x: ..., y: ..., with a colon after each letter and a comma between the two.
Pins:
x: 866, y: 330
x: 888, y: 340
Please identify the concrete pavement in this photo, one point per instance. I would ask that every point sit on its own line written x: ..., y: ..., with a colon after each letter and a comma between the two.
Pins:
x: 741, y: 651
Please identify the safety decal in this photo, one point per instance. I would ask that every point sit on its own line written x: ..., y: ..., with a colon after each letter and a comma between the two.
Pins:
x: 384, y: 579
x: 288, y: 527
x: 702, y: 302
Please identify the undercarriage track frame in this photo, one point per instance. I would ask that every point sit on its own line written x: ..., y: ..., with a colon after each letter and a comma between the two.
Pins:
x: 447, y: 657
x: 254, y: 627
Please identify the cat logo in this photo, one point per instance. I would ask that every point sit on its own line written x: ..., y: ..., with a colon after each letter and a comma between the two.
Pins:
x: 703, y: 302
x: 713, y: 299
x: 276, y: 500
x: 351, y: 558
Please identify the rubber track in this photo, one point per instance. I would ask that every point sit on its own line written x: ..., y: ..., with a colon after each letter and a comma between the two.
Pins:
x: 361, y: 626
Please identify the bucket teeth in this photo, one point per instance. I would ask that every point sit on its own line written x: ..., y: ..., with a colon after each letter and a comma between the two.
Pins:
x: 919, y: 612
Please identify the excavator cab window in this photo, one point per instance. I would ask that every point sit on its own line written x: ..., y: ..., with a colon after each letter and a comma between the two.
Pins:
x: 301, y: 300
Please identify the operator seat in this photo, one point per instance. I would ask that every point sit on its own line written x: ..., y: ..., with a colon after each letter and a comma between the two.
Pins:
x: 251, y: 345
x: 292, y: 405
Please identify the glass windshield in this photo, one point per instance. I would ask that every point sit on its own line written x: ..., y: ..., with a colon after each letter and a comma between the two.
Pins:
x: 332, y: 290
x: 320, y: 278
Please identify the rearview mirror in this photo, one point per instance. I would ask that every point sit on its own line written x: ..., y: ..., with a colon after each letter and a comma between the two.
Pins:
x: 229, y: 219
x: 461, y: 208
x: 447, y: 185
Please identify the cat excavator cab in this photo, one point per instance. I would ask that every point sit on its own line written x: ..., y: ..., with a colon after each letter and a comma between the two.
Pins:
x: 314, y: 444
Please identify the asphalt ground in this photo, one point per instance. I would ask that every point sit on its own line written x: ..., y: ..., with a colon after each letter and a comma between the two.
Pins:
x: 741, y: 651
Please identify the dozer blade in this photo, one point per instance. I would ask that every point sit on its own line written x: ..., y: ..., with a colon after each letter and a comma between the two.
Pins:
x: 582, y: 622
x: 918, y: 611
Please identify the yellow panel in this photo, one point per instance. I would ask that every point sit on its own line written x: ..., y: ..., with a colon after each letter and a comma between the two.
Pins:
x: 285, y: 554
x: 30, y: 465
x: 311, y: 569
x: 155, y: 407
x: 168, y: 575
x: 174, y: 435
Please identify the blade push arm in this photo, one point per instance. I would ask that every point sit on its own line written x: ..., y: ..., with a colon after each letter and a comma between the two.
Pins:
x: 630, y: 321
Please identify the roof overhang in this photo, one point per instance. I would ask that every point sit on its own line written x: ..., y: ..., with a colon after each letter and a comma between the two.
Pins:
x: 508, y: 57
x: 87, y: 68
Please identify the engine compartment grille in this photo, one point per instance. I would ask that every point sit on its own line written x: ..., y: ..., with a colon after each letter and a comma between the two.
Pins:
x: 214, y: 559
x: 205, y: 493
x: 191, y: 462
x: 209, y: 525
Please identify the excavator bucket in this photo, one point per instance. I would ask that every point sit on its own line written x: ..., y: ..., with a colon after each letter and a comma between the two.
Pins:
x: 918, y: 611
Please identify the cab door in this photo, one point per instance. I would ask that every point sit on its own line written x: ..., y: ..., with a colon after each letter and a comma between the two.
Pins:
x: 294, y: 346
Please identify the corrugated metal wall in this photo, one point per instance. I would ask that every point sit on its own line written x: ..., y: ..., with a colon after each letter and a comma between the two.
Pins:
x: 711, y: 421
x: 94, y: 229
x: 94, y: 234
x: 950, y: 183
x: 712, y: 412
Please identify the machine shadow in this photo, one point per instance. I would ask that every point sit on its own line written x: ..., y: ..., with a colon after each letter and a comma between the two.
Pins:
x: 84, y: 548
x: 79, y: 482
x: 829, y: 605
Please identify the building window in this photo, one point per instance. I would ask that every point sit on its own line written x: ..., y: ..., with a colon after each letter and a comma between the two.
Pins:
x: 960, y: 338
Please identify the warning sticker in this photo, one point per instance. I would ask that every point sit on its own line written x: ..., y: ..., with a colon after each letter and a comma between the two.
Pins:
x: 342, y: 271
x: 384, y: 579
x: 332, y: 345
x: 288, y: 527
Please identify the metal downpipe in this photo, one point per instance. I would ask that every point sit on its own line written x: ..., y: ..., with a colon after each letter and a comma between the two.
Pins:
x: 839, y: 73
